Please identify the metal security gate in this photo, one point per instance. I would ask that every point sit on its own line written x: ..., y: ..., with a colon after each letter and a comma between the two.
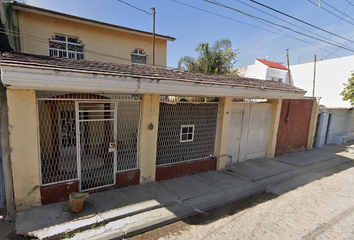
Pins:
x: 87, y: 137
x: 97, y: 149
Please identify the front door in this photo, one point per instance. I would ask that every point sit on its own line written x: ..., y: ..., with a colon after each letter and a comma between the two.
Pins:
x: 96, y: 122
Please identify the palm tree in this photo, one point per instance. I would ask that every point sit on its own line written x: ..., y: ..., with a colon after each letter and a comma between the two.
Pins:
x: 218, y: 59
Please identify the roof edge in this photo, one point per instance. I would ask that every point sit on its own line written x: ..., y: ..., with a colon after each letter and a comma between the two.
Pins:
x: 43, y: 11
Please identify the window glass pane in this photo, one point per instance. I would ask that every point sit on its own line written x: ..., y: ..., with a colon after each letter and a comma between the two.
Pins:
x: 190, y: 129
x: 184, y: 137
x: 184, y: 130
x: 60, y: 38
x: 138, y: 59
x: 75, y: 48
x: 135, y: 51
x: 190, y: 136
x: 73, y: 40
x: 57, y: 45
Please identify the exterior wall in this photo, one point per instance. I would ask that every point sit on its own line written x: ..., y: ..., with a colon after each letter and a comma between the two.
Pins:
x: 222, y: 133
x: 148, y: 137
x: 277, y: 74
x: 273, y: 126
x: 293, y: 134
x: 258, y: 71
x: 339, y: 125
x: 330, y: 77
x: 351, y: 129
x: 100, y: 44
x: 24, y: 144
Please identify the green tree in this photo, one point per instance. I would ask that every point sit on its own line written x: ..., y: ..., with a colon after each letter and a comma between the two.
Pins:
x: 216, y: 59
x: 348, y: 91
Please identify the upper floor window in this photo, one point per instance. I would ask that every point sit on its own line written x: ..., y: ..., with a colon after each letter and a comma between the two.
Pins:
x: 138, y: 57
x: 66, y: 47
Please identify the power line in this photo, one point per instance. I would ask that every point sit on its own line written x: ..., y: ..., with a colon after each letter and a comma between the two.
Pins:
x: 299, y: 20
x: 232, y: 19
x: 142, y: 10
x: 324, y: 9
x: 344, y: 14
x: 349, y: 2
x: 336, y: 28
x: 329, y: 39
x: 290, y: 29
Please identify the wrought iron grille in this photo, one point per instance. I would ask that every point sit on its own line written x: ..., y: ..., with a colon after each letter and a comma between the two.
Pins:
x: 57, y: 133
x: 58, y: 138
x: 170, y: 148
x: 96, y: 123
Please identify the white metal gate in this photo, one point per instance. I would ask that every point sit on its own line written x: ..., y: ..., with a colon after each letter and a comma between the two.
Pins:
x: 248, y: 132
x: 97, y: 151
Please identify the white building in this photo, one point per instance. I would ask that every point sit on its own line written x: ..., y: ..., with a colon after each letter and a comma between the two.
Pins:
x: 330, y: 76
x: 266, y: 70
x: 335, y: 122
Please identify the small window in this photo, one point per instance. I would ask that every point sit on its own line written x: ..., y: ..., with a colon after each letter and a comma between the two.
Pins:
x: 187, y: 133
x: 66, y: 47
x: 138, y: 57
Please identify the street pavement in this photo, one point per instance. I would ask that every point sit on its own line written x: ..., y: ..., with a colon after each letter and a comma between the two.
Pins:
x: 129, y: 211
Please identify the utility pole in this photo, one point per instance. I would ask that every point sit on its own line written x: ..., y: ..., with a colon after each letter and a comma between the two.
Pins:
x: 287, y: 57
x: 314, y: 77
x: 153, y: 36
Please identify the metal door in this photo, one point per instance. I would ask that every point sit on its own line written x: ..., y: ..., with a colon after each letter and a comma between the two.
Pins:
x: 96, y: 145
x: 234, y: 140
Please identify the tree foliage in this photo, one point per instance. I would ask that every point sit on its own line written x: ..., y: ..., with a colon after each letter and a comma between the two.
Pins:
x: 216, y: 59
x: 348, y: 91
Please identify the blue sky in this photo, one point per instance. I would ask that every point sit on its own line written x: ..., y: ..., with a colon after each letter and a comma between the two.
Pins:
x: 191, y: 26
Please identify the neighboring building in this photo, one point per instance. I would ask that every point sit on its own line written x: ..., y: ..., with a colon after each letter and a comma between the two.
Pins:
x: 40, y: 31
x: 265, y: 70
x: 330, y: 76
x: 335, y: 116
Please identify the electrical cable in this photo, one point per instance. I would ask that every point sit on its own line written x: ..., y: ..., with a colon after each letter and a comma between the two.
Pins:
x: 262, y: 19
x: 332, y: 13
x: 232, y: 19
x: 299, y: 20
x: 329, y: 39
x: 142, y: 10
x: 343, y: 13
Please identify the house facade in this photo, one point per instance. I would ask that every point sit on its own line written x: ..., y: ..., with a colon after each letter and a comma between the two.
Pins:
x: 40, y: 31
x: 85, y: 117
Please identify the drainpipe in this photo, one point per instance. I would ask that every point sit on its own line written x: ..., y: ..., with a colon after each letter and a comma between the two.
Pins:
x: 5, y: 150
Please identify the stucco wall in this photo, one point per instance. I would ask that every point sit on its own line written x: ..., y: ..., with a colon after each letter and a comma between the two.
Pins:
x: 24, y: 147
x: 330, y: 76
x: 101, y: 44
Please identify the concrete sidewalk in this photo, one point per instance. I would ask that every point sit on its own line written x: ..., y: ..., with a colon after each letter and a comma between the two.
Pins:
x: 128, y: 211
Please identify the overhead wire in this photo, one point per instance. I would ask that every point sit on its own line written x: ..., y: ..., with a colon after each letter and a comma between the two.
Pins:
x: 332, y: 7
x: 349, y: 2
x: 299, y: 20
x: 232, y: 19
x: 142, y: 10
x: 329, y: 39
x: 335, y: 28
x: 279, y: 25
x: 330, y: 12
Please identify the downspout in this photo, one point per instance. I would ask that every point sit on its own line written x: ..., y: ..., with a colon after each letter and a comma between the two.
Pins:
x: 5, y: 150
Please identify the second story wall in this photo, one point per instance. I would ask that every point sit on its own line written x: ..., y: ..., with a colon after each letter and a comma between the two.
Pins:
x: 100, y: 43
